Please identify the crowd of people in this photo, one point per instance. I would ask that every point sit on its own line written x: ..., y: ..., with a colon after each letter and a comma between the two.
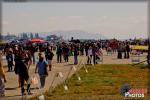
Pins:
x: 20, y: 57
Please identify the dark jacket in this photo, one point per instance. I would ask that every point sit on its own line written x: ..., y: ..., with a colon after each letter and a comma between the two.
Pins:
x: 127, y: 48
x: 49, y: 55
x: 21, y: 68
x: 9, y: 58
x: 59, y: 51
x: 76, y: 53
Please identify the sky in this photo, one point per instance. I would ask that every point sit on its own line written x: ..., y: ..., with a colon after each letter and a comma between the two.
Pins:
x: 111, y: 19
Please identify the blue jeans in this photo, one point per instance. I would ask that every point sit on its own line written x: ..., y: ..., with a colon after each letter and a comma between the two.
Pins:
x: 42, y: 80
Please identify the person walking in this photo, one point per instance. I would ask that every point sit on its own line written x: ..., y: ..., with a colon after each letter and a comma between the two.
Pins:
x: 16, y: 57
x: 42, y: 70
x: 22, y: 70
x: 49, y: 57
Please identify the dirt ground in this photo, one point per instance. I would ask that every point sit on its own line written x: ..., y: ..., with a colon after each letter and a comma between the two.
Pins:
x: 14, y: 93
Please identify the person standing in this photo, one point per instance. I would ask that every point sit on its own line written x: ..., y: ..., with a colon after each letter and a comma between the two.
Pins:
x: 9, y: 58
x: 42, y: 70
x: 86, y: 49
x: 66, y: 53
x: 128, y: 50
x: 71, y: 50
x: 120, y: 51
x: 82, y: 49
x: 59, y: 54
x: 46, y: 51
x: 68, y: 50
x: 124, y: 50
x: 94, y: 53
x: 90, y: 54
x: 33, y: 53
x: 52, y: 46
x: 49, y: 57
x: 76, y: 53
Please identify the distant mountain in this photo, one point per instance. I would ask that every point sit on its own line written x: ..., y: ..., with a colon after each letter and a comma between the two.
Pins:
x: 76, y: 34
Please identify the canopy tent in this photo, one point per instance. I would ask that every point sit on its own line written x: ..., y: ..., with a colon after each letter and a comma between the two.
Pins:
x: 37, y: 41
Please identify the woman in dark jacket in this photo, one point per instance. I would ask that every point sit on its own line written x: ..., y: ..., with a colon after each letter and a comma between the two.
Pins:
x: 22, y: 70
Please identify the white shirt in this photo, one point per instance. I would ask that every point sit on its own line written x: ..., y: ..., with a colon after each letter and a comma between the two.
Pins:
x: 90, y: 52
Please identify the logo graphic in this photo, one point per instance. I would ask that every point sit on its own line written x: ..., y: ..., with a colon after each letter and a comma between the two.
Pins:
x: 125, y: 89
x: 129, y: 92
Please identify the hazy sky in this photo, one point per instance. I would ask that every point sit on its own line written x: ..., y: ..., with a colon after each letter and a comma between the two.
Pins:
x: 111, y: 19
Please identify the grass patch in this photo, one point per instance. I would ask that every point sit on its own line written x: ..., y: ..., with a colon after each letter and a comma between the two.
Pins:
x: 103, y: 82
